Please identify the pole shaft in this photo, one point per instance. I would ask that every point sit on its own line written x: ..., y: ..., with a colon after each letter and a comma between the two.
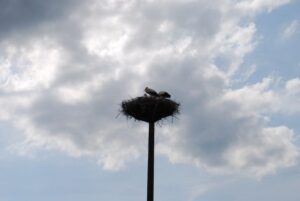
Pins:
x: 150, y: 181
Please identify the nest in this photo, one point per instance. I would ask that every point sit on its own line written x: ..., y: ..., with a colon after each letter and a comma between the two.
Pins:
x: 149, y: 108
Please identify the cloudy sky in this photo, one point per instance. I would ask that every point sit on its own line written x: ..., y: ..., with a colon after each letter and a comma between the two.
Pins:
x: 65, y: 66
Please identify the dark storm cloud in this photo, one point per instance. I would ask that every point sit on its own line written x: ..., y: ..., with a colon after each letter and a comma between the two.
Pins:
x: 17, y: 16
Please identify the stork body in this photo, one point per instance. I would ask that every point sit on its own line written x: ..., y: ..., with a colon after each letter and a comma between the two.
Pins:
x: 151, y: 92
x: 164, y: 94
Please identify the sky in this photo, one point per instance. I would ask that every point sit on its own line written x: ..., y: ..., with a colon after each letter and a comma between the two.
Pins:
x: 65, y: 67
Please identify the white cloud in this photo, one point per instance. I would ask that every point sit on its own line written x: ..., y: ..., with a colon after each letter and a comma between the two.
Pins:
x: 74, y: 73
x: 293, y: 86
x: 251, y: 6
x: 197, y: 191
x: 233, y: 43
x: 291, y: 29
x: 30, y: 67
x: 230, y: 133
x: 275, y: 149
x: 257, y: 97
x: 270, y: 95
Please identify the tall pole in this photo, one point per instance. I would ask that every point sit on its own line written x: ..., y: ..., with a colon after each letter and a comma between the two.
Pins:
x: 150, y: 181
x: 150, y: 108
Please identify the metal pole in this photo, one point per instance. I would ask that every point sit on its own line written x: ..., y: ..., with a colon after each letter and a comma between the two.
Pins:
x: 150, y: 181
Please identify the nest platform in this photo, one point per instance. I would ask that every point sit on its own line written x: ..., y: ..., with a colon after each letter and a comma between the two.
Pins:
x: 149, y: 108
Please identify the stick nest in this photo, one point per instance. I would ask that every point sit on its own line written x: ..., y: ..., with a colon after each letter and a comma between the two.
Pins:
x: 149, y: 108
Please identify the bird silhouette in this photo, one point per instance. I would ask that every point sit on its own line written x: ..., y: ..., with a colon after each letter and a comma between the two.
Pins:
x: 164, y: 94
x: 151, y: 92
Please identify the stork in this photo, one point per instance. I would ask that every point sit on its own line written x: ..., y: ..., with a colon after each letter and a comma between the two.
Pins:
x: 164, y: 94
x: 151, y: 92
